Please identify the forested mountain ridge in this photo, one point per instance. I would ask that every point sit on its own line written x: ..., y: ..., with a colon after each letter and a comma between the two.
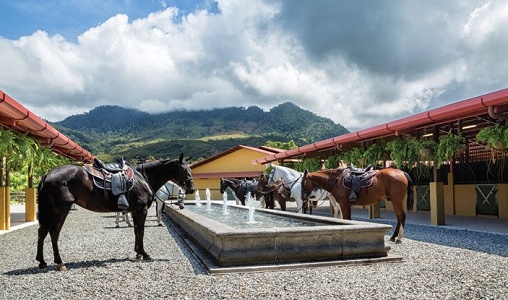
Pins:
x: 112, y: 131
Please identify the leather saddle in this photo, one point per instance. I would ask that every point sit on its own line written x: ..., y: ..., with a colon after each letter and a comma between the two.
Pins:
x: 116, y: 177
x: 362, y: 177
x: 249, y: 186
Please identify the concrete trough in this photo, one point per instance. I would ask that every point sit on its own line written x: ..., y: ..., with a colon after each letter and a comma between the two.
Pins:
x: 328, y: 239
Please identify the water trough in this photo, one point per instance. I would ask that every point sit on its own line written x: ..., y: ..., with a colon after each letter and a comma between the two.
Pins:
x: 322, y: 239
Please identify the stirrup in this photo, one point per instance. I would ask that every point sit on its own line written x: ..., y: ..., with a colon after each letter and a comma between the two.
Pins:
x: 352, y: 197
x: 122, y: 202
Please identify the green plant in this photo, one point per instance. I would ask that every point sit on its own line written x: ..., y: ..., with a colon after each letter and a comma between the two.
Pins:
x: 428, y: 149
x: 354, y: 156
x: 494, y: 137
x: 403, y: 149
x: 448, y: 145
x: 332, y: 162
x: 375, y: 153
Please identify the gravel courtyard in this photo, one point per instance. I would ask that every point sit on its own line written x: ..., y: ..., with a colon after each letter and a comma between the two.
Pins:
x: 101, y: 264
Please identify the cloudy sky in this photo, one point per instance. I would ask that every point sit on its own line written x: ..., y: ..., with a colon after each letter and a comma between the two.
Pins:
x: 359, y: 63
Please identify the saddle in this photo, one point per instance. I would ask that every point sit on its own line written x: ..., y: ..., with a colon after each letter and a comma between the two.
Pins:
x: 116, y: 177
x: 357, y: 178
x: 249, y: 186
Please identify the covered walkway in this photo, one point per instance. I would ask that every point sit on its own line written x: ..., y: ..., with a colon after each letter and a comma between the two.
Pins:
x: 481, y: 224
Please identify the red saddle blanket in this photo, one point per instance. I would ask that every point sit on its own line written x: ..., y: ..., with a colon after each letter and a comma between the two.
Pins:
x: 366, y: 178
x: 102, y: 178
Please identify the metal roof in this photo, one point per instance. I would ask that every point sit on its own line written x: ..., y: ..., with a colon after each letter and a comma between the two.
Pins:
x: 467, y: 117
x: 16, y: 117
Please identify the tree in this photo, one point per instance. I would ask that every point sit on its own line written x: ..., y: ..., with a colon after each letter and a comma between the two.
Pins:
x: 281, y: 145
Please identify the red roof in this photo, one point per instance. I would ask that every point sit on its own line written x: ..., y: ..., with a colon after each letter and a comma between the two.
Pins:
x: 16, y: 117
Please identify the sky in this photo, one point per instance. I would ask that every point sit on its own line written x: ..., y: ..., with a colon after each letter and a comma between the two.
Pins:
x: 358, y: 62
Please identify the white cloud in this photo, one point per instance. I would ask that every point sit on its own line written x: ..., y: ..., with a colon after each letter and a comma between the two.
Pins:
x: 357, y: 66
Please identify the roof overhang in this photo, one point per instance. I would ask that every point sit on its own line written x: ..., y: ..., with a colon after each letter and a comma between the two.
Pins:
x: 470, y: 111
x: 16, y: 117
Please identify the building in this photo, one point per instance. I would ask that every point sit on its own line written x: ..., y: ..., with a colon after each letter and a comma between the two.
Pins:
x: 462, y: 186
x: 234, y: 162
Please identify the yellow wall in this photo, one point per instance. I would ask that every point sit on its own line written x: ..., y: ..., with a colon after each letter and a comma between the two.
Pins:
x: 465, y: 200
x: 237, y: 161
x: 502, y: 198
x: 202, y: 184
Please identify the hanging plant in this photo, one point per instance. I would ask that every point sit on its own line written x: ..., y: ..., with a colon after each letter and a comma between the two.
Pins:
x: 403, y: 149
x: 375, y: 153
x: 427, y: 149
x: 448, y: 146
x: 354, y: 156
x: 495, y: 137
x: 332, y: 162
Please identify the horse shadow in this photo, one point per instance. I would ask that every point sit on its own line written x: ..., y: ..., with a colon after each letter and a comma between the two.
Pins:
x: 71, y: 266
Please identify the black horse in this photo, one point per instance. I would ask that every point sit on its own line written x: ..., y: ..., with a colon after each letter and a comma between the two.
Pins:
x: 69, y: 184
x: 240, y: 187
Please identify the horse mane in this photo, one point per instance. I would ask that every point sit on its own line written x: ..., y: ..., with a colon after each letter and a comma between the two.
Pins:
x: 292, y: 171
x: 153, y: 164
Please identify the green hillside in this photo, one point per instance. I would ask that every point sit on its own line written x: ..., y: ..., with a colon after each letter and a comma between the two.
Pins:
x: 113, y: 131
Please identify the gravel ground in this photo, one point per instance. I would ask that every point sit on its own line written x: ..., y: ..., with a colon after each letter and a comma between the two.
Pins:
x: 438, y: 264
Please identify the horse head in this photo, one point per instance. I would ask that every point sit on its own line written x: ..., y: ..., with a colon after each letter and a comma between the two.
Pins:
x: 309, y: 187
x: 183, y: 175
x: 222, y: 186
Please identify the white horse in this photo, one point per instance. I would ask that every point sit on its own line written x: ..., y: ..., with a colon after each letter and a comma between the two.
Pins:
x: 293, y: 179
x: 124, y: 216
x: 169, y: 191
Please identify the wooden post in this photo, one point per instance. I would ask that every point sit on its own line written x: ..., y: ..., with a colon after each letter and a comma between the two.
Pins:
x: 2, y: 208
x: 437, y: 216
x: 30, y: 205
x: 375, y: 211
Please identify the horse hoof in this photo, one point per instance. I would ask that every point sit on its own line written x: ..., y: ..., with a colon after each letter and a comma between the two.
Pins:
x: 117, y: 226
x: 147, y: 257
x: 398, y: 242
x: 43, y: 266
x: 61, y: 267
x: 139, y: 256
x: 392, y: 239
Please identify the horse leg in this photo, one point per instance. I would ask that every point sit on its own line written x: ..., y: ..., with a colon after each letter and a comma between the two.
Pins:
x: 139, y: 233
x: 345, y: 209
x: 54, y: 233
x: 117, y: 220
x: 398, y: 233
x: 158, y: 211
x: 127, y: 219
x: 336, y: 209
x: 43, y: 232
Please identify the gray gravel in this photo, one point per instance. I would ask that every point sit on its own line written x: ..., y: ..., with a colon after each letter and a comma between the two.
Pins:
x: 101, y: 264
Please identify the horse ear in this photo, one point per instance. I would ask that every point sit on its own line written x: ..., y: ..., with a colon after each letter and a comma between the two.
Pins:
x: 305, y: 172
x: 181, y: 158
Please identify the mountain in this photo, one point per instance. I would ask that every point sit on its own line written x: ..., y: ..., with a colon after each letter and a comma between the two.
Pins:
x: 113, y: 131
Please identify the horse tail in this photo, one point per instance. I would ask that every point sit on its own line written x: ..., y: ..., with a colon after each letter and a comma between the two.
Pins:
x: 42, y: 199
x: 410, y: 196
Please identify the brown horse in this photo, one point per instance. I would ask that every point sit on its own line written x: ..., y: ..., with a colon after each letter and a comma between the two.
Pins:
x: 389, y: 184
x: 277, y: 190
x: 69, y: 184
x: 240, y: 188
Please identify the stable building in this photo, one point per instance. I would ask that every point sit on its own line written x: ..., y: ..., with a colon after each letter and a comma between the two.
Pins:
x: 232, y: 163
x: 474, y: 182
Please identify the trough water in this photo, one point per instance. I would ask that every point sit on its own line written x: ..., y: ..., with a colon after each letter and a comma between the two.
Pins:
x: 240, y: 218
